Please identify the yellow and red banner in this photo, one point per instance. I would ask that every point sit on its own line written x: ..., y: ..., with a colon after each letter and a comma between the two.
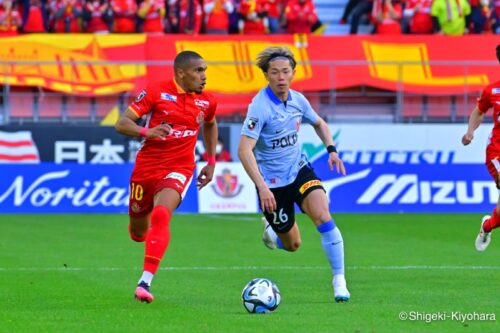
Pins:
x: 95, y: 65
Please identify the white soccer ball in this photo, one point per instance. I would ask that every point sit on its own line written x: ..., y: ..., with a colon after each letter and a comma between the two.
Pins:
x: 261, y: 296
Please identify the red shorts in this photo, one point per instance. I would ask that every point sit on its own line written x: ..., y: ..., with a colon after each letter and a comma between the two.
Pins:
x: 493, y: 163
x: 142, y: 191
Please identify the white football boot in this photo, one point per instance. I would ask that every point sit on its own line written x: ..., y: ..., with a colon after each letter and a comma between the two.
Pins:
x: 340, y: 289
x: 483, y: 239
x: 268, y: 241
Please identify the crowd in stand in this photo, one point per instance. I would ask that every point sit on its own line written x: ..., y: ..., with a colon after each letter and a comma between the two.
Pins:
x: 447, y: 17
x: 158, y: 16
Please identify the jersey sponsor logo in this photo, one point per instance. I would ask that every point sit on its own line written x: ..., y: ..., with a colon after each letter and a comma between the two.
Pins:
x: 167, y: 97
x: 252, y: 122
x: 286, y: 141
x: 495, y: 91
x: 201, y: 103
x: 141, y: 96
x: 178, y: 133
x: 177, y: 176
x: 308, y: 185
x: 227, y: 185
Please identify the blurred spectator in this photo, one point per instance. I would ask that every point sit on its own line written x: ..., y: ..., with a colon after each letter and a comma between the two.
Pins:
x: 495, y: 17
x: 187, y: 15
x: 253, y: 17
x: 10, y: 19
x: 217, y: 16
x: 300, y: 16
x: 68, y: 16
x: 273, y: 8
x: 351, y: 4
x: 98, y: 16
x: 124, y: 13
x: 35, y: 16
x: 449, y: 16
x: 418, y: 15
x: 479, y: 16
x: 152, y: 12
x: 387, y: 16
x: 221, y: 154
x: 234, y: 18
x: 362, y: 9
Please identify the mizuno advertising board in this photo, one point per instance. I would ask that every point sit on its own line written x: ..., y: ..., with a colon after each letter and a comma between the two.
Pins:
x: 390, y: 168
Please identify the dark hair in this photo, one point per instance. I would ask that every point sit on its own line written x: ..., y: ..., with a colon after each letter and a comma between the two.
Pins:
x: 183, y: 58
x: 274, y: 52
x: 498, y: 52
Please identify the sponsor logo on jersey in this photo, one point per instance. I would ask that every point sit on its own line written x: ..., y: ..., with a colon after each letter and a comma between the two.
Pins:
x: 252, y: 122
x: 495, y: 91
x: 167, y: 97
x: 283, y: 142
x: 177, y: 176
x: 308, y: 185
x: 141, y: 96
x: 201, y: 103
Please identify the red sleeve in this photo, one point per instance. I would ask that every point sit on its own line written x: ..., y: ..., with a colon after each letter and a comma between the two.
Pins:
x: 210, y: 116
x: 484, y: 102
x: 143, y: 103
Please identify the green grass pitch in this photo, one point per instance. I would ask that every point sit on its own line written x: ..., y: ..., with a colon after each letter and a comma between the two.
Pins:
x: 77, y: 273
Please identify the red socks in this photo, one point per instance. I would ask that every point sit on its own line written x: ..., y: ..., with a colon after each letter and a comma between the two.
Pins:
x: 493, y: 222
x: 157, y: 238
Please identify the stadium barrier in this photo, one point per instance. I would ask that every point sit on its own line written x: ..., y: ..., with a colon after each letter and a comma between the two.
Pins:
x: 391, y: 168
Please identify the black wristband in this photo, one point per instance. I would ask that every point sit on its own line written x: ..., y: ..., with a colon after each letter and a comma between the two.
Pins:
x: 331, y: 149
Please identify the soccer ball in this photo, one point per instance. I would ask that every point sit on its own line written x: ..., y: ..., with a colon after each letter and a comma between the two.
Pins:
x: 261, y: 296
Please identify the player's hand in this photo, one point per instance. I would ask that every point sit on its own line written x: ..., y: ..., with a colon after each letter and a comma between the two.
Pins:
x: 160, y: 131
x: 467, y: 138
x: 205, y: 176
x: 267, y: 201
x: 335, y: 161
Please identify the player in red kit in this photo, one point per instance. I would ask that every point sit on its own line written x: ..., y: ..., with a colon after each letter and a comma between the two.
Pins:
x: 174, y: 110
x: 490, y: 98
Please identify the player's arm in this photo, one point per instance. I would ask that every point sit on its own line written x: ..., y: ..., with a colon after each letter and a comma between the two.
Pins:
x: 321, y: 128
x: 127, y: 125
x: 247, y: 158
x: 475, y: 119
x: 210, y: 134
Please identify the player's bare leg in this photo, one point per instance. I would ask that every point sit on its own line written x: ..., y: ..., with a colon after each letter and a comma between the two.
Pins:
x: 289, y: 241
x: 138, y: 228
x: 315, y: 205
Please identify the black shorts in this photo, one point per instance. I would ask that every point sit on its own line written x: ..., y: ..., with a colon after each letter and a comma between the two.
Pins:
x: 283, y: 218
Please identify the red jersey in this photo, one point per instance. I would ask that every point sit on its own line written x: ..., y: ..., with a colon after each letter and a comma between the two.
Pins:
x: 124, y: 15
x: 166, y: 102
x: 421, y: 20
x: 490, y: 98
x: 300, y: 16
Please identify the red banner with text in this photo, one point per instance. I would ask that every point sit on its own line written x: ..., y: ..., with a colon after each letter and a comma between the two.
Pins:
x: 96, y: 65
